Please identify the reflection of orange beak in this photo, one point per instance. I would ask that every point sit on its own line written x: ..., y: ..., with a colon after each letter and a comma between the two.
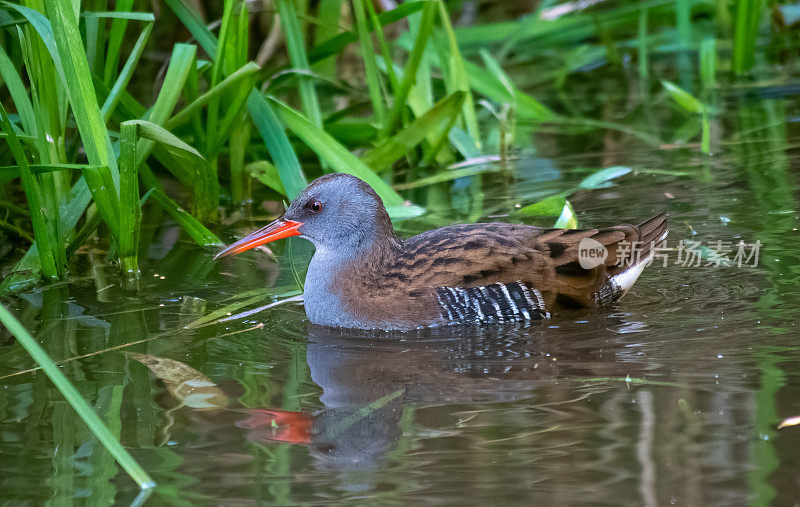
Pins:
x: 278, y: 229
x: 280, y: 426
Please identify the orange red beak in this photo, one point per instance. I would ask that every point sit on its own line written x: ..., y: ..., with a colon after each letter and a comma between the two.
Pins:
x: 279, y: 229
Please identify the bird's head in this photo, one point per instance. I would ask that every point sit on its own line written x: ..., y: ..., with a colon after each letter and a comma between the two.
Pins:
x: 337, y: 212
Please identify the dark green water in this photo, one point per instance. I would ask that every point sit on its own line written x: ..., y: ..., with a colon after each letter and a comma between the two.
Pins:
x: 671, y: 396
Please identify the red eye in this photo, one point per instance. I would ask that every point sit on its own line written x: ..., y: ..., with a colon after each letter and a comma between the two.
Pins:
x: 315, y: 206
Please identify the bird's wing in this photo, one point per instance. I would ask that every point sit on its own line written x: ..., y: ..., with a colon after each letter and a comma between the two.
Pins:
x: 510, y: 270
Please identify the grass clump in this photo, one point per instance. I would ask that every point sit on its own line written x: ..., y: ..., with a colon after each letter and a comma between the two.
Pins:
x: 93, y: 144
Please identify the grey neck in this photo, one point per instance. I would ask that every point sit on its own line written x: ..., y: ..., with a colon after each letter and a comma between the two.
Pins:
x: 322, y: 303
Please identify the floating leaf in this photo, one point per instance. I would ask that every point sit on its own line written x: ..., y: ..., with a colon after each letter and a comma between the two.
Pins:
x: 186, y: 384
x: 602, y: 178
x: 567, y: 220
x: 549, y: 206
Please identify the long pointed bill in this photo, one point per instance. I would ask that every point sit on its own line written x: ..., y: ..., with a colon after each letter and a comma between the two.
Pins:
x: 278, y: 229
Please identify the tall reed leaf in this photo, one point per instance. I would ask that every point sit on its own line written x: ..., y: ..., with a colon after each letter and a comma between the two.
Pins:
x: 457, y: 75
x: 410, y: 69
x: 44, y: 227
x: 334, y: 153
x: 335, y: 45
x: 18, y: 92
x: 437, y: 122
x: 748, y: 18
x: 9, y: 173
x: 197, y: 231
x: 103, y: 183
x: 130, y: 211
x: 295, y: 43
x: 249, y: 70
x: 368, y: 54
x: 267, y: 123
x: 708, y: 62
x: 115, y: 38
x: 76, y: 401
x: 127, y: 72
x: 27, y: 271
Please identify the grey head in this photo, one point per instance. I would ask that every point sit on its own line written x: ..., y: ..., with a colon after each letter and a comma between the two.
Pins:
x: 341, y: 213
x: 347, y: 223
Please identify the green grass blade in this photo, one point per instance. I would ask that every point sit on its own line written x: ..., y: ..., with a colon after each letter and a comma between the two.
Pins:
x: 267, y: 174
x: 130, y: 210
x: 567, y: 219
x: 436, y: 121
x: 180, y: 63
x: 18, y: 92
x: 42, y: 26
x: 334, y: 153
x: 708, y: 62
x: 94, y: 42
x: 115, y: 37
x: 157, y: 134
x: 47, y: 237
x: 549, y: 206
x: 267, y: 123
x: 458, y: 75
x: 127, y: 72
x: 297, y: 54
x: 234, y: 114
x: 27, y: 271
x: 644, y: 70
x: 104, y: 183
x: 329, y: 14
x: 195, y: 25
x: 488, y: 85
x: 79, y: 85
x: 464, y: 143
x: 744, y: 38
x: 450, y: 175
x: 197, y: 231
x: 241, y: 183
x: 186, y: 163
x: 494, y: 68
x: 683, y: 25
x: 191, y: 93
x: 247, y: 71
x: 8, y: 173
x: 410, y: 69
x: 377, y: 27
x: 368, y: 55
x: 335, y: 45
x: 217, y: 66
x: 683, y: 98
x: 603, y: 177
x: 75, y: 400
x: 281, y: 151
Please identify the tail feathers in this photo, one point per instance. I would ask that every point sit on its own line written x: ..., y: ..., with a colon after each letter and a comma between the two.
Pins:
x: 652, y: 232
x: 627, y: 250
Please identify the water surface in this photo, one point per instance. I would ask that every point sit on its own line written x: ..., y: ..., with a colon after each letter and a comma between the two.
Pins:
x: 670, y: 396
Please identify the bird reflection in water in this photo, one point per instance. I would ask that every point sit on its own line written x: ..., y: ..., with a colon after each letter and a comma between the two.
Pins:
x: 370, y: 381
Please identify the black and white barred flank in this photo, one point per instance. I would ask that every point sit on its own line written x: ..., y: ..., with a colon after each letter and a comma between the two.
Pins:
x: 491, y: 304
